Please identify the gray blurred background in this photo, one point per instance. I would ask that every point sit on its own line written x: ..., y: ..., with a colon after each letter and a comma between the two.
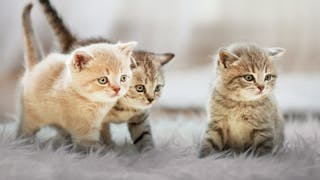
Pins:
x: 193, y: 30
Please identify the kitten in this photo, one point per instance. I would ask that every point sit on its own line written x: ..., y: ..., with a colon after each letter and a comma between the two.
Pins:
x: 243, y: 114
x: 133, y: 108
x: 73, y: 91
x: 146, y: 87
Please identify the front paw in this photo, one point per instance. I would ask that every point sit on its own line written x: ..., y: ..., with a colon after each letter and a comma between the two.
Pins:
x: 205, y: 151
x: 264, y: 148
x: 145, y: 146
x: 89, y: 146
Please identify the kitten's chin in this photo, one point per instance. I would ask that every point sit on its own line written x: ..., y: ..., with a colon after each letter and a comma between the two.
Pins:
x: 141, y: 106
x: 253, y: 97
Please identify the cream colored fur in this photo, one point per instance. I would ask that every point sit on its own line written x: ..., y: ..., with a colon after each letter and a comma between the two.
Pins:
x: 63, y: 91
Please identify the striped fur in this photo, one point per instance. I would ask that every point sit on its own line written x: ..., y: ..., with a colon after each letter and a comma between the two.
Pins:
x: 65, y: 37
x: 134, y: 104
x: 67, y: 40
x: 241, y: 116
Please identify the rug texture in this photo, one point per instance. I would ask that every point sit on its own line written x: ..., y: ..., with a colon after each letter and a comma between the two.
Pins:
x: 175, y: 157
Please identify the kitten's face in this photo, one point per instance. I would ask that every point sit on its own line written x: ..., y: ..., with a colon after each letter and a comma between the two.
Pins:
x: 102, y: 72
x: 249, y: 75
x: 147, y: 82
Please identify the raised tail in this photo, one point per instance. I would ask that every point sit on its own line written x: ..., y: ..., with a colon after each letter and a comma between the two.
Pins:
x: 33, y: 52
x: 65, y: 37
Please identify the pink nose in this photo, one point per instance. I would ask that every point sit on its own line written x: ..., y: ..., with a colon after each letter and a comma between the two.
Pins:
x: 260, y: 87
x: 116, y: 89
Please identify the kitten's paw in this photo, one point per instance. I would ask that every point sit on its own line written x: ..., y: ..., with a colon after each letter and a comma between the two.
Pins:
x: 264, y: 149
x: 89, y: 146
x: 146, y: 147
x: 205, y: 151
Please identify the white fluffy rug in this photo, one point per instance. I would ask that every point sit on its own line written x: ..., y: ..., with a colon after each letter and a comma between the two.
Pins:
x: 175, y: 157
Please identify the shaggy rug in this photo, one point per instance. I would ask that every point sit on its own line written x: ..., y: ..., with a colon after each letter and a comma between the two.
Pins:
x: 175, y: 156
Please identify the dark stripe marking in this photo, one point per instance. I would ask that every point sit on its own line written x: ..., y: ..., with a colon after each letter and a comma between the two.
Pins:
x: 141, y: 136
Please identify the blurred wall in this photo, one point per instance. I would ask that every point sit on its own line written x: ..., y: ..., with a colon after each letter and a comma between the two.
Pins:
x: 193, y: 30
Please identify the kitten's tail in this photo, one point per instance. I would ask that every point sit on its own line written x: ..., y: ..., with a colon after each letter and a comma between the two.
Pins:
x: 33, y: 52
x: 65, y: 37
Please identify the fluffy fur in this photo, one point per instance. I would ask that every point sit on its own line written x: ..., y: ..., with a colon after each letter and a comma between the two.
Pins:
x: 243, y: 113
x: 147, y: 75
x: 33, y: 51
x: 174, y: 158
x: 145, y: 90
x: 64, y: 90
x: 73, y: 92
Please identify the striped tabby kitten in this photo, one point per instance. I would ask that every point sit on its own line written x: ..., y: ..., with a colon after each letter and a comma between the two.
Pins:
x: 145, y: 89
x: 133, y: 108
x: 72, y: 91
x: 243, y: 113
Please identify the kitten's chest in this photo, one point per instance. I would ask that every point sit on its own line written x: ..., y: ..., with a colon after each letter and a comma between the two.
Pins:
x: 241, y: 121
x: 91, y: 112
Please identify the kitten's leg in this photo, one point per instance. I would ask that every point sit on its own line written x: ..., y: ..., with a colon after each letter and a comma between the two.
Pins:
x: 279, y: 130
x: 64, y: 134
x: 106, y: 134
x: 213, y: 141
x: 27, y: 128
x: 263, y: 141
x: 140, y: 132
x: 87, y: 138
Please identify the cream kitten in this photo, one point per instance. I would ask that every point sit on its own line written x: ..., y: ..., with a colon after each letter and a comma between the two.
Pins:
x: 74, y: 91
x: 144, y: 91
x: 243, y: 114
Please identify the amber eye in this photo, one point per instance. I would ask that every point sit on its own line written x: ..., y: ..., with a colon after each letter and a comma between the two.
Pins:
x: 140, y: 88
x: 268, y: 77
x: 158, y: 88
x: 103, y: 80
x: 123, y: 78
x: 248, y: 77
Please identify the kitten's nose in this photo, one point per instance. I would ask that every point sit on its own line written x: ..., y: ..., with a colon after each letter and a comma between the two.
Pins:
x: 260, y: 87
x: 150, y: 100
x: 116, y: 89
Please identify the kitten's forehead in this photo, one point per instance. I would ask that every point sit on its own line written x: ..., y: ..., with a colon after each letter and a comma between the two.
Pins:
x: 252, y: 58
x: 111, y: 60
x: 146, y: 72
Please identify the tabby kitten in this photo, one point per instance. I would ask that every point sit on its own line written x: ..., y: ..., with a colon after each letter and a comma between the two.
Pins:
x: 146, y: 87
x: 133, y: 107
x: 73, y: 91
x: 243, y: 113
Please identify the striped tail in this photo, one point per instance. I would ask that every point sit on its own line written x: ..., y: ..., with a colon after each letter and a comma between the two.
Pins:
x: 33, y: 52
x: 65, y: 37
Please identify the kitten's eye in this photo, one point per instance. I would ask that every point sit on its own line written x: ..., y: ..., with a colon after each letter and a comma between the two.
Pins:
x: 123, y: 78
x: 158, y: 88
x: 248, y: 77
x: 268, y: 77
x: 140, y: 88
x: 103, y: 80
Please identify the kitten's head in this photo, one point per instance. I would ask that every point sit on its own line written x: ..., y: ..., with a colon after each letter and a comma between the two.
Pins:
x: 147, y: 81
x: 102, y: 72
x: 246, y: 72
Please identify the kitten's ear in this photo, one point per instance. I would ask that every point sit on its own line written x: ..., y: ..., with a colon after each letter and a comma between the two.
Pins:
x: 133, y: 63
x: 163, y: 58
x: 275, y: 51
x: 81, y: 60
x: 127, y: 48
x: 226, y: 58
